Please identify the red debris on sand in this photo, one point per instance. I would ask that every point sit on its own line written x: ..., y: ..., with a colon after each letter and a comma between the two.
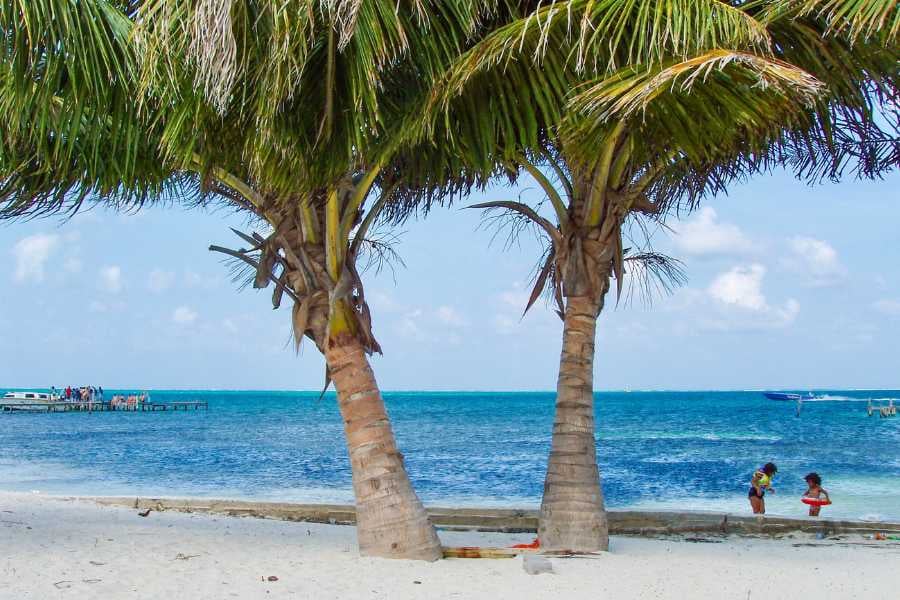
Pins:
x: 532, y: 546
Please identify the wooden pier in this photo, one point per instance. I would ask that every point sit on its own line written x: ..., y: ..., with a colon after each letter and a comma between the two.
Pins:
x: 105, y: 406
x: 881, y: 409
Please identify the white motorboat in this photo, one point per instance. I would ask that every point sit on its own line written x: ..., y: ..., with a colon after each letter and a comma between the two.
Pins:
x: 27, y: 400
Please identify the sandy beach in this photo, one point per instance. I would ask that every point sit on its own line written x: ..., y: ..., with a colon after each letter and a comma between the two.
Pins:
x: 71, y: 548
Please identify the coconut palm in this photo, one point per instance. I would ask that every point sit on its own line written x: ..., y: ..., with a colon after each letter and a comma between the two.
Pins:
x: 286, y: 110
x: 625, y: 110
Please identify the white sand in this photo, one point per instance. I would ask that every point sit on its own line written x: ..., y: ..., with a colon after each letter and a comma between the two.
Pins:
x: 52, y: 548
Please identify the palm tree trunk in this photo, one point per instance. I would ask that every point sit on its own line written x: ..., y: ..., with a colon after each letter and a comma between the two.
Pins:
x: 572, y: 515
x: 391, y: 521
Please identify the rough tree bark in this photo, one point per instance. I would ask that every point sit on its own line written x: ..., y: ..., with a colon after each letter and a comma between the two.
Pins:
x: 572, y: 515
x: 391, y: 521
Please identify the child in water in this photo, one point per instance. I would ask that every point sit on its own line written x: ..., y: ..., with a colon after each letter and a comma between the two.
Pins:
x: 762, y: 481
x: 814, y: 483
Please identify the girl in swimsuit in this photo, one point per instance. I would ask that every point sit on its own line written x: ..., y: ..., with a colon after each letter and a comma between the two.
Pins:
x: 815, y: 491
x: 762, y: 481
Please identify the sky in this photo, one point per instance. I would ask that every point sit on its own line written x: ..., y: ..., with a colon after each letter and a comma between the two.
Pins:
x: 789, y: 287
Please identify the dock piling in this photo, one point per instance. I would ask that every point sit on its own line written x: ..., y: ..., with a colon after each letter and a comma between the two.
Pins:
x: 107, y: 406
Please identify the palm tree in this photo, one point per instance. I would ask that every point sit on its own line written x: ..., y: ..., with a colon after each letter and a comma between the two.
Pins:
x: 624, y: 111
x: 287, y: 110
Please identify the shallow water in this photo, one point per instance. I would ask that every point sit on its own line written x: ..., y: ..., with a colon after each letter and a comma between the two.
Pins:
x: 687, y: 450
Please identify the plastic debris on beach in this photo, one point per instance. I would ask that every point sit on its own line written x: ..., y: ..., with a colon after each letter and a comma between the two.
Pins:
x: 535, y: 565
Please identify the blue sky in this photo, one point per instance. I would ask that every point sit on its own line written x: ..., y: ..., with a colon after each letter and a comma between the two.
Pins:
x: 789, y: 286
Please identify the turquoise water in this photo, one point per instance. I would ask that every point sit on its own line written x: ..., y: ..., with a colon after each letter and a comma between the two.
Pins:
x: 690, y: 450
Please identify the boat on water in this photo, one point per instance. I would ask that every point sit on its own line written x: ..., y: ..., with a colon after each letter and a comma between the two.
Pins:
x: 789, y: 396
x: 27, y: 400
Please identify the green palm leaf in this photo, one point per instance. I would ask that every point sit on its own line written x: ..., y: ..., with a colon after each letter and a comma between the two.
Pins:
x: 623, y: 94
x: 71, y: 126
x: 505, y: 95
x: 853, y: 18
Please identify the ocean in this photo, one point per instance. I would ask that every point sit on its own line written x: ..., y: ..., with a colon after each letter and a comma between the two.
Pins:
x: 657, y: 450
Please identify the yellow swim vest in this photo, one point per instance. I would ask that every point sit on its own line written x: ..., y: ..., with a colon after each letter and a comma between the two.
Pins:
x: 764, y: 480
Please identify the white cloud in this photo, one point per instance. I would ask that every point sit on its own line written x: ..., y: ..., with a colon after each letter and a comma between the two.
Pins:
x: 705, y: 235
x: 516, y: 298
x: 422, y: 325
x: 111, y: 279
x: 739, y: 302
x: 509, y: 320
x: 817, y: 260
x: 159, y: 281
x: 450, y: 316
x: 382, y: 302
x: 229, y: 325
x: 430, y: 325
x: 31, y: 254
x: 512, y: 302
x: 410, y: 327
x: 740, y: 286
x: 184, y: 315
x: 888, y: 307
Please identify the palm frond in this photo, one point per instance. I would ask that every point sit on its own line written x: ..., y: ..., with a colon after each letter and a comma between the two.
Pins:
x: 504, y: 97
x: 691, y: 126
x: 378, y: 251
x: 854, y: 19
x: 624, y: 93
x: 652, y: 274
x: 70, y: 128
x: 606, y: 34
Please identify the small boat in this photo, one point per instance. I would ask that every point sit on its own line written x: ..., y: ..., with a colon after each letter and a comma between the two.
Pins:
x: 788, y: 396
x: 27, y: 400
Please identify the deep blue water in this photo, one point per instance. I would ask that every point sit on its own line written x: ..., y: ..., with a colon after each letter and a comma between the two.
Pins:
x: 695, y: 450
